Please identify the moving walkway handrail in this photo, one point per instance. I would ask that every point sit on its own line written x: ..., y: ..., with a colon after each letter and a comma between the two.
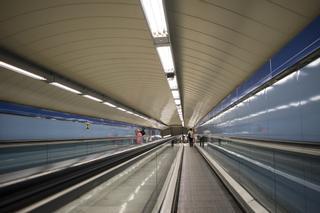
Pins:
x: 19, y: 194
x: 8, y: 144
x: 168, y: 197
x: 288, y: 146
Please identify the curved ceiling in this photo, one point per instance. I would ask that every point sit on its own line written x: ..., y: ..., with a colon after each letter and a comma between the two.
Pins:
x: 218, y: 43
x: 20, y: 89
x: 105, y: 45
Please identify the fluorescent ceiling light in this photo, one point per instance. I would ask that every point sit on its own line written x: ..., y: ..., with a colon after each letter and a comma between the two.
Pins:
x: 175, y: 94
x: 121, y: 109
x: 65, y: 87
x: 178, y: 102
x: 173, y: 83
x: 21, y: 71
x: 92, y: 98
x: 154, y: 12
x: 166, y: 58
x: 109, y: 104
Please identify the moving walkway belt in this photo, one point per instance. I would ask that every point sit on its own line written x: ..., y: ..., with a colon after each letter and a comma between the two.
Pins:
x: 199, y: 181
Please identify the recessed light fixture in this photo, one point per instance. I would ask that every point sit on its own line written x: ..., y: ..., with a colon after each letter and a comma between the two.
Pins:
x: 109, y: 104
x: 175, y: 94
x: 156, y: 18
x: 92, y: 98
x: 21, y: 71
x: 121, y: 109
x: 166, y: 58
x: 154, y: 11
x: 173, y: 83
x: 65, y: 87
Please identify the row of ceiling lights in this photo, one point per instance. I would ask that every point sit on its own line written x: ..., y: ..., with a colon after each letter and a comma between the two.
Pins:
x: 67, y: 88
x: 155, y: 14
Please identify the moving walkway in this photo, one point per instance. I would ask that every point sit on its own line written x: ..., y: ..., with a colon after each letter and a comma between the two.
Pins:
x: 159, y: 176
x: 30, y: 192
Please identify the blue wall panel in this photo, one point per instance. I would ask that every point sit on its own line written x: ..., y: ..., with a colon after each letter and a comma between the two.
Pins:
x: 306, y: 42
x: 14, y: 127
x: 287, y: 110
x: 18, y: 109
x: 284, y: 119
x: 22, y: 122
x: 310, y: 101
x: 298, y: 48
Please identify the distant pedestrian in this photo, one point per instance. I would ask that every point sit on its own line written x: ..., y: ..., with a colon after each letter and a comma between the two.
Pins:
x: 143, y: 132
x: 194, y: 136
x: 144, y: 136
x: 190, y: 137
x: 138, y: 136
x: 202, y: 140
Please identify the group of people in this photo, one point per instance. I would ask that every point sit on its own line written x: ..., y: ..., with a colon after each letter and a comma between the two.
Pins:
x: 192, y: 139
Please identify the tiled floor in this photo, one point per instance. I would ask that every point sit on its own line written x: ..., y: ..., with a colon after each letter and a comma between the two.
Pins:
x: 200, y: 188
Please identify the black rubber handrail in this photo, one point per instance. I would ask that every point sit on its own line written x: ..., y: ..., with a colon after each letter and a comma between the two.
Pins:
x: 8, y: 144
x: 177, y: 189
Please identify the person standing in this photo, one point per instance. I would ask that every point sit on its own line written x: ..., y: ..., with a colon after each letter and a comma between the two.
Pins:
x: 190, y: 137
x: 195, y: 136
x: 138, y: 136
x: 143, y: 133
x: 202, y: 140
